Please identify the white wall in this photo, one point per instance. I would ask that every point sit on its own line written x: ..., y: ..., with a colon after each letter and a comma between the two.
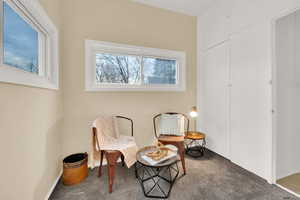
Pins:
x: 288, y: 95
x: 244, y: 26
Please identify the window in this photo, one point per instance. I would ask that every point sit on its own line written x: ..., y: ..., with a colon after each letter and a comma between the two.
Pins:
x: 20, y: 41
x: 118, y: 69
x: 29, y: 45
x: 111, y: 66
x: 159, y: 71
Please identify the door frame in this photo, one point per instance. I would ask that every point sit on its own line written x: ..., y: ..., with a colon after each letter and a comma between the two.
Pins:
x: 274, y: 94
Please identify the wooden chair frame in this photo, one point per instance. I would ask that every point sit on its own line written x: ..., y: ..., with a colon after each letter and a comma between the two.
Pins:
x: 174, y: 140
x: 111, y: 156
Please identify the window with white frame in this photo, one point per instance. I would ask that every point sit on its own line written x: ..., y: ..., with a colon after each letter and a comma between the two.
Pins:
x: 111, y: 66
x: 29, y: 45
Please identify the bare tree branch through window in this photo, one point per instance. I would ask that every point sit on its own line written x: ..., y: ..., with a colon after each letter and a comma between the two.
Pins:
x: 127, y: 69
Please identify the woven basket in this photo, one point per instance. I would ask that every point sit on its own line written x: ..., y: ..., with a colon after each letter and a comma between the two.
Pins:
x: 75, y: 168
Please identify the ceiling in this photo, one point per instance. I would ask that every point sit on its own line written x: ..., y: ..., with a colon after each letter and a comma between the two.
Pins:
x: 189, y: 7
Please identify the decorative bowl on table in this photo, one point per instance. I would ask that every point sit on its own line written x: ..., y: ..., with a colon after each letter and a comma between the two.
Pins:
x: 161, y: 151
x: 158, y: 154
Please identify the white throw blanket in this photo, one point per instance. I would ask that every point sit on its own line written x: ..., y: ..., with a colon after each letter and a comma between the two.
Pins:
x: 108, y: 138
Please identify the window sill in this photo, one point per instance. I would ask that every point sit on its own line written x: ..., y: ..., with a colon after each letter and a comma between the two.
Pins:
x: 16, y: 76
x: 133, y: 88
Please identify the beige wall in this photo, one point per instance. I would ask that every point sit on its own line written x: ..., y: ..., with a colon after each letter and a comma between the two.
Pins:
x: 120, y: 21
x: 30, y: 144
x: 31, y: 119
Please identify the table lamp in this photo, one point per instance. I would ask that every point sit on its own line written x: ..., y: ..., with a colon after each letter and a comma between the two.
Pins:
x: 193, y: 112
x: 193, y: 115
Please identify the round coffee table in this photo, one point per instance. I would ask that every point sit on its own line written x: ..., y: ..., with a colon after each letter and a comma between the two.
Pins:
x: 156, y: 180
x: 196, y: 146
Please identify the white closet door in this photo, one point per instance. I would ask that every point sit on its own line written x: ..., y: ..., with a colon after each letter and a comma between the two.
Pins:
x: 213, y: 98
x: 250, y: 95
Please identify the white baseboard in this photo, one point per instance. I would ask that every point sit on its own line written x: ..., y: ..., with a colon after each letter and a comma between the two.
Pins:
x: 53, y: 186
x: 290, y: 191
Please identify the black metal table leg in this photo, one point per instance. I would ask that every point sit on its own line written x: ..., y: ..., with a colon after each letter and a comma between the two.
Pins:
x: 195, y: 149
x: 156, y: 182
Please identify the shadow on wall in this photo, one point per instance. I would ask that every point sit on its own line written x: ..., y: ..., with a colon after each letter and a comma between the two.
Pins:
x: 51, y: 160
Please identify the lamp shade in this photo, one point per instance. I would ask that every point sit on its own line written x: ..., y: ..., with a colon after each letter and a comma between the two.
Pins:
x: 193, y: 112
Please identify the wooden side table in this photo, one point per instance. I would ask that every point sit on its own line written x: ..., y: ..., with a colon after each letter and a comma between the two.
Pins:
x: 196, y: 145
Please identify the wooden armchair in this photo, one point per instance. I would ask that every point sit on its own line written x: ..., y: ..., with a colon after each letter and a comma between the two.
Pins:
x: 177, y: 141
x: 112, y: 156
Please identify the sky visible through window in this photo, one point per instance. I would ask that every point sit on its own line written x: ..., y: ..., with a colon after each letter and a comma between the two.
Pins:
x: 20, y: 42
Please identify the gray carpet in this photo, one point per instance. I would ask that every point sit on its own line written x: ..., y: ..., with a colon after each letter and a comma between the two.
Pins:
x: 208, y: 178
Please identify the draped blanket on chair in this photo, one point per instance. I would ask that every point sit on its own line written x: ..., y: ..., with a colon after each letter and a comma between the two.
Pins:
x: 109, y: 138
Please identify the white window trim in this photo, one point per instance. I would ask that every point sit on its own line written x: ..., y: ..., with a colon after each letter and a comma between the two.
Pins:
x: 93, y: 47
x: 49, y: 77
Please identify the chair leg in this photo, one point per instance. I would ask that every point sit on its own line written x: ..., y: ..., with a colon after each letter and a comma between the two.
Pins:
x: 135, y: 170
x: 112, y: 161
x: 122, y: 158
x: 101, y: 161
x: 181, y: 154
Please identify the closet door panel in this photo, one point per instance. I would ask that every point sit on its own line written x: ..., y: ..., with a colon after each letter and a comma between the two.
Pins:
x: 213, y: 98
x: 250, y: 95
